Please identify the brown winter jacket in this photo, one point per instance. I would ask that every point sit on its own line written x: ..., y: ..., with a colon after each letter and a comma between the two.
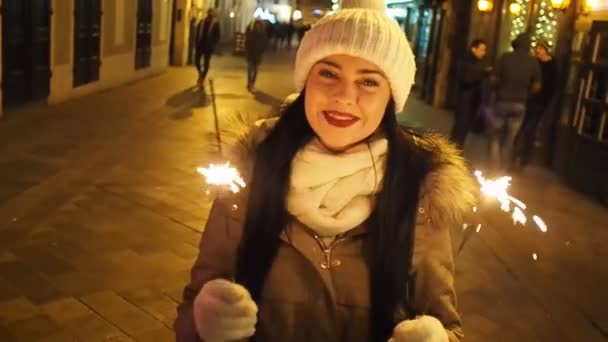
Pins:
x: 312, y: 295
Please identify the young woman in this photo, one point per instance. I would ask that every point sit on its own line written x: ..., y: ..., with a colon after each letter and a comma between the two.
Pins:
x: 344, y: 232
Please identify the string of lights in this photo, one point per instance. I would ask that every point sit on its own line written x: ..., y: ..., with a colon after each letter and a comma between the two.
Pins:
x: 544, y: 25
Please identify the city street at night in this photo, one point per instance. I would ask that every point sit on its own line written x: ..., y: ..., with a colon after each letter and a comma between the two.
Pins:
x: 479, y: 215
x: 101, y: 212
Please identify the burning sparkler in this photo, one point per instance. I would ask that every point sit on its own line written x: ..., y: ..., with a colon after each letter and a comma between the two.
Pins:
x: 498, y: 189
x: 222, y: 177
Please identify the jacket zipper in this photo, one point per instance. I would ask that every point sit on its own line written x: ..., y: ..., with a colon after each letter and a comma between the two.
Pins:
x: 327, y: 262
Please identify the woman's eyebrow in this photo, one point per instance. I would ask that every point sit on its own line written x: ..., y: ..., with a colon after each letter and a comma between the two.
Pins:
x: 330, y: 63
x: 360, y: 71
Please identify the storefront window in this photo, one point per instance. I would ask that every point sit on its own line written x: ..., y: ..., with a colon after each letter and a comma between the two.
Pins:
x: 600, y: 49
x: 424, y: 35
x: 534, y: 16
x: 411, y: 25
x: 546, y: 23
x: 397, y: 12
x: 591, y: 111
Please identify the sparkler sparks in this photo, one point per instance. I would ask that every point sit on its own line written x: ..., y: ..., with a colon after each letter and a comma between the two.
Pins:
x: 222, y: 176
x: 540, y: 223
x: 497, y: 188
x: 519, y: 216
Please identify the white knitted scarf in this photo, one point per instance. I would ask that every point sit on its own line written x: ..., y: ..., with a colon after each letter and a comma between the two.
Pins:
x: 332, y: 193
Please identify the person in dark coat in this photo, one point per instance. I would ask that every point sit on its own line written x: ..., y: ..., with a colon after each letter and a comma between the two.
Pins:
x: 256, y: 38
x: 517, y: 76
x: 207, y: 38
x: 471, y: 74
x: 302, y: 31
x: 192, y: 38
x: 539, y: 104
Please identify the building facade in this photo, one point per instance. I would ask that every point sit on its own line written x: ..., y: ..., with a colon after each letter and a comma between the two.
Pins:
x: 53, y: 50
x: 572, y: 139
x: 580, y: 129
x: 187, y: 14
x: 438, y: 32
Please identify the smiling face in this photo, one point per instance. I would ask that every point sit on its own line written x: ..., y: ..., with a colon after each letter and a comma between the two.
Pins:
x: 346, y: 98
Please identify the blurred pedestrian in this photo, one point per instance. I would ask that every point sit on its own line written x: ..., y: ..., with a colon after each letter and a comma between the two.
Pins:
x: 472, y: 72
x: 539, y: 104
x: 256, y: 38
x: 517, y: 75
x: 302, y: 31
x: 207, y: 38
x: 192, y: 37
x: 291, y: 29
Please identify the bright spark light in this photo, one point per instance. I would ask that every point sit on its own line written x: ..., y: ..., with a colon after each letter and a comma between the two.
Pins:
x: 222, y: 176
x: 497, y: 189
x: 534, y: 256
x: 519, y: 217
x: 540, y: 223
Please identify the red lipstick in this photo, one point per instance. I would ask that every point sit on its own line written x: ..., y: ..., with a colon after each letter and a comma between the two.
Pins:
x: 339, y: 119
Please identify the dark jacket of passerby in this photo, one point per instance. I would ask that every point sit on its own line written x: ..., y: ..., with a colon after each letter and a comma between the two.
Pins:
x: 517, y: 72
x: 207, y: 34
x: 538, y: 105
x: 549, y: 84
x: 256, y: 39
x: 471, y: 74
x: 302, y: 31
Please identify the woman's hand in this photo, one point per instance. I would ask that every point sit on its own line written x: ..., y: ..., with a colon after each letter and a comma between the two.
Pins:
x: 421, y: 329
x: 224, y: 311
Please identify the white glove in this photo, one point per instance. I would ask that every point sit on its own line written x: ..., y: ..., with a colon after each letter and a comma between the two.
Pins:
x: 421, y: 329
x: 224, y: 311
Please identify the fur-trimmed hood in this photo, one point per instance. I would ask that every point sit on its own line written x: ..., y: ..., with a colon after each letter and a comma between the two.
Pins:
x: 448, y: 193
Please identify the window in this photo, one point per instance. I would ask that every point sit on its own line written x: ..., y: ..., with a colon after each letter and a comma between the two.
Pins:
x: 591, y: 111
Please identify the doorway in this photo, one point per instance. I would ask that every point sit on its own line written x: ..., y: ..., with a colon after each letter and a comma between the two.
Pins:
x: 26, y: 68
x: 143, y: 41
x: 87, y: 22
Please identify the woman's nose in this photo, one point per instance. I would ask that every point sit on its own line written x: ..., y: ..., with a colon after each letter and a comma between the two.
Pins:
x: 345, y: 93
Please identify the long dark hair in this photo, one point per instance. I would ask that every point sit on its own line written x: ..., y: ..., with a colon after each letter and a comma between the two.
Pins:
x: 390, y: 226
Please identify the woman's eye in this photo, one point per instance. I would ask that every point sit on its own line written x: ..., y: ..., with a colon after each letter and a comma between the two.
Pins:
x: 370, y: 83
x: 328, y: 74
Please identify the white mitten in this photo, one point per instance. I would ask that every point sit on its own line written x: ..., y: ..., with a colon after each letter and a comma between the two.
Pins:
x: 224, y: 311
x: 421, y: 329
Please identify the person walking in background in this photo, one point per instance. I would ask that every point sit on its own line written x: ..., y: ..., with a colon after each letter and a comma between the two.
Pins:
x: 282, y: 31
x: 291, y: 29
x: 207, y: 38
x: 471, y: 74
x: 538, y: 105
x: 192, y: 36
x: 256, y: 38
x: 302, y: 31
x: 517, y: 75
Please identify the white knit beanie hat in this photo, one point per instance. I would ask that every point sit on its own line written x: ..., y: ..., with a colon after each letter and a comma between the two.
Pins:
x: 361, y: 28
